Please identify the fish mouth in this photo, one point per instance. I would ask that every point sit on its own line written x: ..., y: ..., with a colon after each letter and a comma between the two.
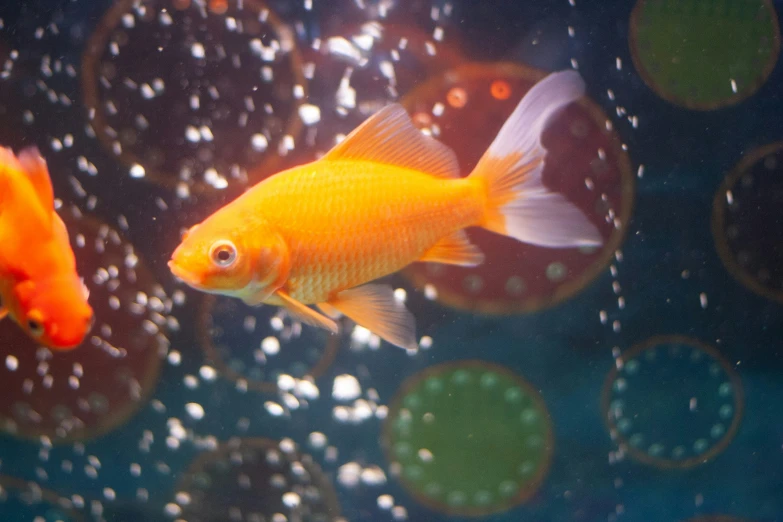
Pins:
x: 68, y: 343
x: 184, y: 275
x: 66, y: 339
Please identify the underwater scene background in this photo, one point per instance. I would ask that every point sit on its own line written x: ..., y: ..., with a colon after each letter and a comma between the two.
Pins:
x: 639, y: 381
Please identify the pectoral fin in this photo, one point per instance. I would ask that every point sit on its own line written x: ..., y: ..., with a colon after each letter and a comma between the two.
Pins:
x: 375, y: 308
x: 256, y: 299
x: 305, y: 314
x: 3, y: 313
x: 455, y: 249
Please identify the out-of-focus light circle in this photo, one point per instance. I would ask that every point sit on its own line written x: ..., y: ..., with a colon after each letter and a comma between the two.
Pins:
x: 704, y: 55
x: 186, y: 94
x: 441, y: 429
x: 259, y: 478
x: 746, y: 212
x: 674, y: 402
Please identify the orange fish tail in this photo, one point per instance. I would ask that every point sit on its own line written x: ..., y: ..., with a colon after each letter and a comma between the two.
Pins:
x: 517, y: 202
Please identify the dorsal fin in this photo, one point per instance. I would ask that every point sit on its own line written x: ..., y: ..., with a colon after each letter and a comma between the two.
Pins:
x: 389, y: 137
x: 16, y: 203
x: 34, y: 166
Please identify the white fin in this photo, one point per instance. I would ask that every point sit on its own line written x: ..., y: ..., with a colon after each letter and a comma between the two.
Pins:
x: 518, y: 203
x: 374, y: 307
x: 389, y: 137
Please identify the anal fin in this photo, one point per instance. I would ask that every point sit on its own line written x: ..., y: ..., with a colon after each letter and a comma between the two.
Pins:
x: 329, y: 310
x: 455, y: 249
x: 306, y: 314
x: 374, y: 307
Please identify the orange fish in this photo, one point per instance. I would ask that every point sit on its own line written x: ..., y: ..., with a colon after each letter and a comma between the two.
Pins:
x: 384, y: 197
x: 39, y: 286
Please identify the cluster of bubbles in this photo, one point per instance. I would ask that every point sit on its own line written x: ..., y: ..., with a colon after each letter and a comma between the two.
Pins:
x: 255, y: 480
x: 222, y: 94
x: 287, y: 355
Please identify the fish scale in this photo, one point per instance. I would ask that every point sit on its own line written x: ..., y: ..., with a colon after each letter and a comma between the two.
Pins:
x: 349, y: 222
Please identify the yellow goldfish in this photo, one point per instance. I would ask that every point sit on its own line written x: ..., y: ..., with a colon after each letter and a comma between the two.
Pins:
x: 384, y: 197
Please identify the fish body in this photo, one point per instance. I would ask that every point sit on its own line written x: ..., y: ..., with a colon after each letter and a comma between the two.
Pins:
x: 385, y: 197
x: 39, y: 285
x: 380, y: 219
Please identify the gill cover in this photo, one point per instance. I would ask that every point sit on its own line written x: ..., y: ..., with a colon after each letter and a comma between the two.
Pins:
x: 271, y: 267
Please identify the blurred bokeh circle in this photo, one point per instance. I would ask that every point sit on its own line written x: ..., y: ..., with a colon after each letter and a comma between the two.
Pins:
x: 190, y: 95
x: 704, y: 55
x: 674, y: 402
x: 746, y: 216
x: 468, y: 438
x: 255, y: 479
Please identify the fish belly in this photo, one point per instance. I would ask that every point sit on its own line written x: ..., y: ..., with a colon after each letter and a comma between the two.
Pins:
x: 350, y: 222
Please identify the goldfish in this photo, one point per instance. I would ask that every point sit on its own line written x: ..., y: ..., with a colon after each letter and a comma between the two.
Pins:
x: 386, y: 196
x: 40, y: 288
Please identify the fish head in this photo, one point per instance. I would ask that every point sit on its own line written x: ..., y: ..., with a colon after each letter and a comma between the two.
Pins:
x: 219, y: 257
x: 54, y: 311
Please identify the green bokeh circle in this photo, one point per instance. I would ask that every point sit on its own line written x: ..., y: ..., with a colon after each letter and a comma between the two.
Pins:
x: 689, y: 51
x: 469, y: 438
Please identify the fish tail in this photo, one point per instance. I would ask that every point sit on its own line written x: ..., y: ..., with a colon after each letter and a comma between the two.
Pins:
x: 517, y: 202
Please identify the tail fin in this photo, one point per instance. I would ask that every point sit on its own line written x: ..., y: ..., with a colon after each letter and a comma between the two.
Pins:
x: 518, y: 203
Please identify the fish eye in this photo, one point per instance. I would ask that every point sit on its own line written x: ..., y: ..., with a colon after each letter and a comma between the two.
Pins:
x: 223, y: 253
x: 35, y: 326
